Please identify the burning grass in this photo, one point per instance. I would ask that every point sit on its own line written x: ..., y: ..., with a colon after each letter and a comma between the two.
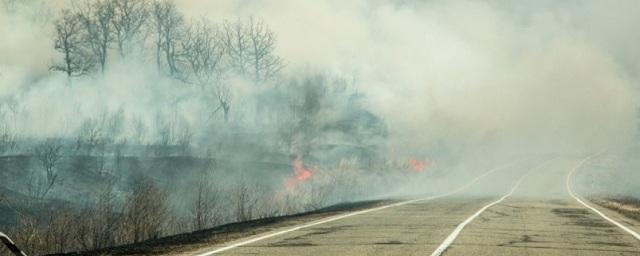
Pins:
x: 625, y: 205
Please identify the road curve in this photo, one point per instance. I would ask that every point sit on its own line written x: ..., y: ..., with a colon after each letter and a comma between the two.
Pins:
x: 408, y: 224
x: 540, y: 217
x: 343, y: 216
x: 582, y: 202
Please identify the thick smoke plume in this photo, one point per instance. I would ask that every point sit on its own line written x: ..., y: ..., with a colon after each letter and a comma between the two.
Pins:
x: 350, y: 100
x: 466, y: 72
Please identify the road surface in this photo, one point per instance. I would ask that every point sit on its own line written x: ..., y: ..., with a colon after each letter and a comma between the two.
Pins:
x: 497, y: 215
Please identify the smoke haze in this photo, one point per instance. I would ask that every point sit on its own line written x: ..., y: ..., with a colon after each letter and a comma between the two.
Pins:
x: 365, y: 99
x: 465, y: 73
x: 560, y: 74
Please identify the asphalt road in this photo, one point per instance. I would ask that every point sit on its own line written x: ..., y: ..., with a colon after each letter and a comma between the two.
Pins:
x: 538, y: 218
x: 542, y: 219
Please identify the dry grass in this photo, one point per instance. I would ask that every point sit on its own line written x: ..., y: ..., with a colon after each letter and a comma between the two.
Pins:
x: 625, y: 205
x: 225, y: 233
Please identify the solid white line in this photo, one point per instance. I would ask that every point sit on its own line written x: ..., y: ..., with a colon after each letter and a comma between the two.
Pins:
x: 330, y: 219
x: 452, y: 237
x: 11, y: 245
x: 577, y: 198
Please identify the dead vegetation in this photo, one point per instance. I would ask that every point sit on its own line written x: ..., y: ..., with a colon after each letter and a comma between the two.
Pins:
x: 200, y: 152
x: 625, y: 205
x: 224, y: 233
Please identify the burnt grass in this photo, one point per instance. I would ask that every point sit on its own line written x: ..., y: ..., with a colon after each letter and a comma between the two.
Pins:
x: 225, y: 233
x: 625, y: 205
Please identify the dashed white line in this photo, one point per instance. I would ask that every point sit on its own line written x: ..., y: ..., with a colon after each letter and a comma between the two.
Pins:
x: 452, y: 237
x: 330, y: 219
x: 577, y: 198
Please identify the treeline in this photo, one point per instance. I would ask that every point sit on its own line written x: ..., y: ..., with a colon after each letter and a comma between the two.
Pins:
x: 131, y: 189
x: 126, y: 196
x: 63, y: 227
x: 145, y: 214
x: 198, y: 52
x: 107, y: 218
x: 119, y: 176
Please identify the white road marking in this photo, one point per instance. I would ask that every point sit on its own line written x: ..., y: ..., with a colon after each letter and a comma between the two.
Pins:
x: 330, y: 219
x: 452, y: 237
x: 577, y: 198
x: 11, y: 245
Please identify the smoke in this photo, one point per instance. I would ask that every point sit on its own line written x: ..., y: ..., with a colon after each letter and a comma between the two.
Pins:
x: 552, y: 75
x: 26, y: 49
x: 447, y: 78
x: 378, y: 98
x: 465, y: 73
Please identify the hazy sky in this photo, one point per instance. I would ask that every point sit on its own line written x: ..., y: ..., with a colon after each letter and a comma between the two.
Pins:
x: 544, y: 71
x: 558, y: 74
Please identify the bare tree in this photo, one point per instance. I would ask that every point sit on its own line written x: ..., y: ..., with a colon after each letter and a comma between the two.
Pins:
x: 97, y: 18
x: 166, y: 135
x: 202, y: 54
x: 94, y: 136
x: 222, y: 93
x: 318, y: 195
x: 268, y: 204
x: 146, y: 211
x: 84, y: 228
x: 236, y: 42
x: 304, y: 126
x: 128, y: 22
x: 8, y: 137
x: 69, y: 41
x: 90, y: 135
x: 49, y: 154
x: 206, y: 210
x: 168, y: 22
x: 28, y: 234
x: 244, y: 199
x: 8, y: 140
x: 250, y: 48
x: 89, y: 142
x: 203, y: 50
x: 265, y: 64
x: 58, y: 237
x: 174, y: 135
x: 104, y: 219
x: 113, y: 124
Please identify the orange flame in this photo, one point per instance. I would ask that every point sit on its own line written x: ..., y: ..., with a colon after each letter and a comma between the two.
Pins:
x: 418, y: 165
x: 300, y: 173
